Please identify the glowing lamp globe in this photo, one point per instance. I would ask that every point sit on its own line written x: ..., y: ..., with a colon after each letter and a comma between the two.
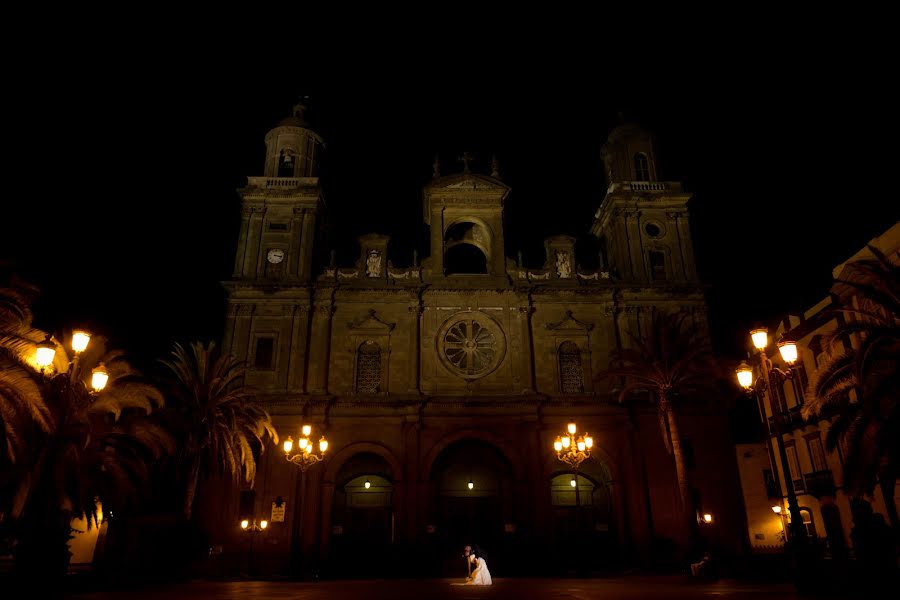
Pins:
x: 45, y: 352
x: 788, y: 352
x: 760, y: 338
x: 744, y: 375
x: 80, y: 340
x: 99, y: 377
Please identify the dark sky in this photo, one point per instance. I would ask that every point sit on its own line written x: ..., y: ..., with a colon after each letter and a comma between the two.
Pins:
x: 121, y: 205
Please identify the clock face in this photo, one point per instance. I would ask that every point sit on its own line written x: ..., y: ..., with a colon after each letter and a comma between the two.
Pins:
x: 275, y: 256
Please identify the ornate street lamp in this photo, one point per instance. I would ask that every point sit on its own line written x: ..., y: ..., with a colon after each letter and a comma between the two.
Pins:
x: 572, y: 449
x: 252, y: 527
x: 304, y: 458
x: 770, y: 375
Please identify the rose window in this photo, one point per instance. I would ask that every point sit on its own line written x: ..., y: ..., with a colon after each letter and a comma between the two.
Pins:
x: 471, y: 346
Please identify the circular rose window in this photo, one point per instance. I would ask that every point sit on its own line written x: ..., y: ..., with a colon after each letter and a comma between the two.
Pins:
x: 471, y: 344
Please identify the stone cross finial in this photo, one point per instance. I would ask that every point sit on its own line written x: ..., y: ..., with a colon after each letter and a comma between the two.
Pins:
x: 495, y: 167
x: 436, y: 165
x: 466, y: 158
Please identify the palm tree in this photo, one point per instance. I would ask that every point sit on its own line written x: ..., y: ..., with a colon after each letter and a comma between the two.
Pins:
x: 96, y: 456
x: 859, y: 384
x: 22, y: 407
x: 222, y: 425
x: 672, y: 362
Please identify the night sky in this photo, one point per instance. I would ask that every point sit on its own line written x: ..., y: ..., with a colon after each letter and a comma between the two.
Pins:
x: 121, y: 201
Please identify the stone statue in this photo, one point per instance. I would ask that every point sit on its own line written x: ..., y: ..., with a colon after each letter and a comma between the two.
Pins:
x: 563, y: 268
x: 373, y: 264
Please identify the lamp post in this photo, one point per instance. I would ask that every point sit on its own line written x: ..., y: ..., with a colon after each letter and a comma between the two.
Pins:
x: 304, y: 458
x: 573, y: 450
x: 251, y: 527
x: 777, y: 510
x: 771, y: 375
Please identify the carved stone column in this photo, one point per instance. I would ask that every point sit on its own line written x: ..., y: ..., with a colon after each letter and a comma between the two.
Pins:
x: 415, y: 315
x: 254, y: 241
x: 526, y: 351
x: 320, y: 347
x: 241, y: 254
x: 228, y: 333
x: 295, y: 260
x: 686, y: 246
x: 240, y: 345
x: 306, y: 243
x: 635, y: 247
x: 296, y: 354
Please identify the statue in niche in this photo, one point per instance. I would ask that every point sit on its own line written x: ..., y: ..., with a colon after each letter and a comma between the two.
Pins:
x: 563, y: 268
x: 373, y: 264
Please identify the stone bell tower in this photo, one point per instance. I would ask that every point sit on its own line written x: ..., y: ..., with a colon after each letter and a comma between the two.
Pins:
x: 269, y: 293
x: 279, y: 209
x: 465, y: 213
x: 642, y: 223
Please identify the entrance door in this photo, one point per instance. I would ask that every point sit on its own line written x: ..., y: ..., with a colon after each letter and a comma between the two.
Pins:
x: 362, y: 528
x: 472, y: 491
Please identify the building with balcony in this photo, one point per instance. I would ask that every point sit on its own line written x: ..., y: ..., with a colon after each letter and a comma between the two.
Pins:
x: 815, y: 474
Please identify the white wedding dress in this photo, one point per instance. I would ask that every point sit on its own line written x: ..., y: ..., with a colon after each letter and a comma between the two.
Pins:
x: 481, y: 575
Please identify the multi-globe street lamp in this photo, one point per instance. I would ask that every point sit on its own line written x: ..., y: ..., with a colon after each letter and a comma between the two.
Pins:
x: 770, y: 375
x: 305, y: 457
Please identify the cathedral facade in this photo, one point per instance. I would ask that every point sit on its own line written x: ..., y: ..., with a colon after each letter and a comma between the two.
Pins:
x: 442, y: 386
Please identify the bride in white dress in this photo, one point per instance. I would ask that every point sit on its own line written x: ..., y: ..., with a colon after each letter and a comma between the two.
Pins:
x: 481, y: 575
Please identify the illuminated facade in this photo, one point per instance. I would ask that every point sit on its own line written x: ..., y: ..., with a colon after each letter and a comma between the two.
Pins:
x: 462, y: 367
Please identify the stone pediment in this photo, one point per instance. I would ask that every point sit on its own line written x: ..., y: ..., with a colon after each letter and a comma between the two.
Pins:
x: 570, y: 322
x: 370, y: 322
x: 468, y: 181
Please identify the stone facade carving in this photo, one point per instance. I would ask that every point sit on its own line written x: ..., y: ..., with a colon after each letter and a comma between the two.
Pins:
x: 563, y: 265
x: 373, y: 264
x: 405, y: 363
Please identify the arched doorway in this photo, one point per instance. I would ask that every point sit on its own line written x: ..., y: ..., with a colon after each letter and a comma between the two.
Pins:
x: 362, y: 518
x: 471, y: 485
x: 585, y: 540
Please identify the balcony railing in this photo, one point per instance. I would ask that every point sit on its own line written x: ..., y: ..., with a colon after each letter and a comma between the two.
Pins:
x: 647, y: 186
x: 789, y: 421
x: 280, y: 182
x: 820, y: 483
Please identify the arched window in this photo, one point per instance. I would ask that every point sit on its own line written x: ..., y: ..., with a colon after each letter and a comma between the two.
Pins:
x: 641, y: 167
x: 286, y: 163
x: 368, y: 368
x: 465, y: 258
x: 657, y: 265
x: 571, y: 375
